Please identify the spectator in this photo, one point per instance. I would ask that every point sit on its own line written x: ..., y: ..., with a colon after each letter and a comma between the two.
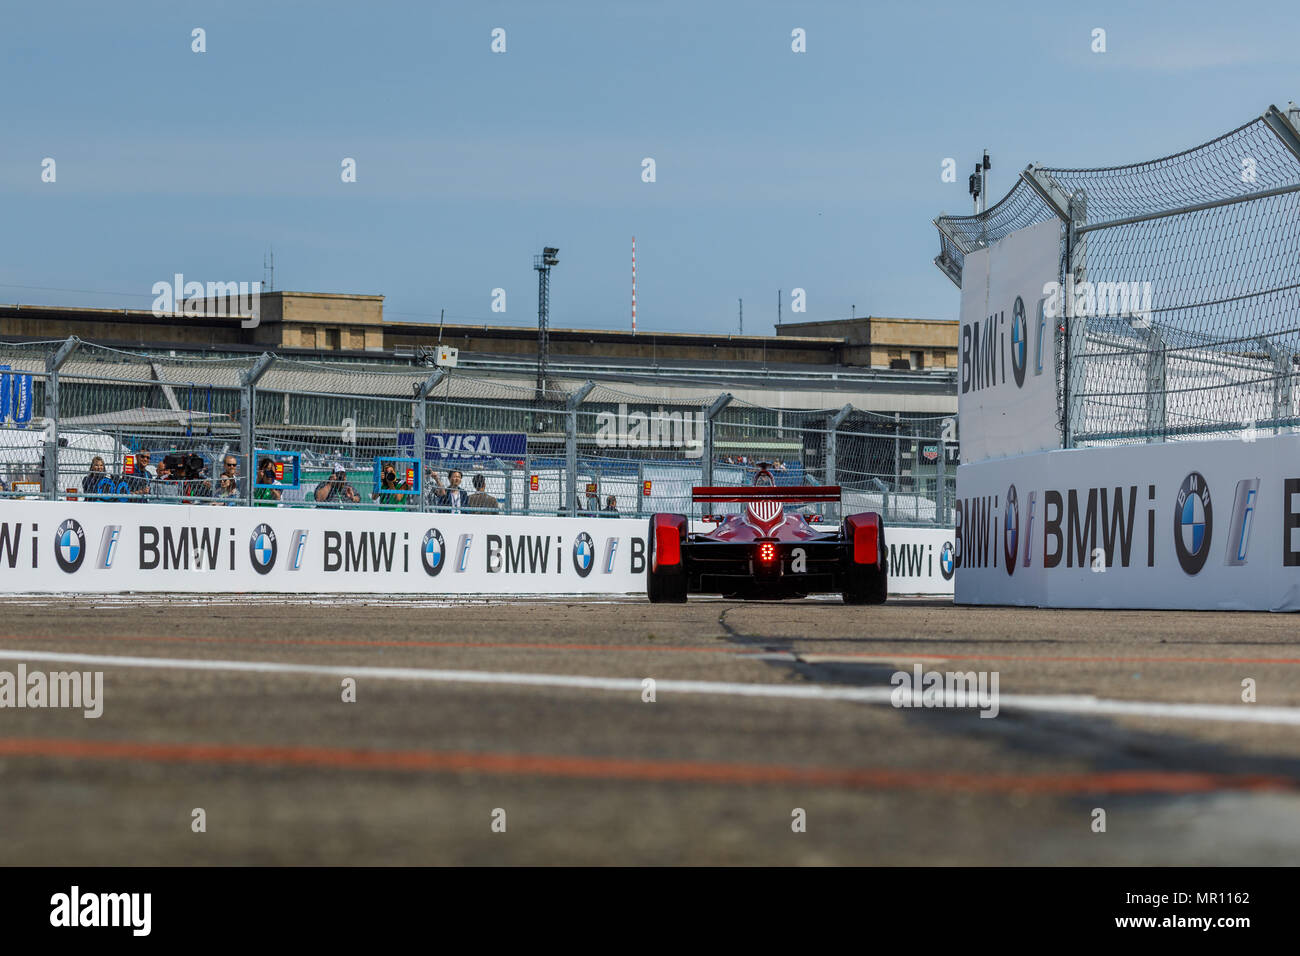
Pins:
x: 142, y: 466
x: 611, y: 505
x: 90, y: 484
x: 266, y: 477
x: 452, y: 497
x: 229, y: 469
x: 335, y: 488
x: 138, y: 482
x: 480, y: 500
x: 390, y: 488
x: 227, y: 490
x: 166, y: 483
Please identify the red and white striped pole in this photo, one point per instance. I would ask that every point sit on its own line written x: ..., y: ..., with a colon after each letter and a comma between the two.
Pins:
x: 634, y: 285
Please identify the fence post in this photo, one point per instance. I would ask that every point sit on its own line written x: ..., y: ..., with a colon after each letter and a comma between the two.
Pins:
x: 528, y: 481
x: 1281, y: 382
x: 898, y: 452
x: 832, y: 442
x: 53, y: 362
x: 941, y: 484
x: 247, y: 423
x: 571, y: 448
x: 1155, y: 384
x: 1076, y: 327
x: 706, y: 466
x: 419, y: 426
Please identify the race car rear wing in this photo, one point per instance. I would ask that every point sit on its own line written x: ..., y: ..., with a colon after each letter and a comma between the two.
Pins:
x: 787, y: 493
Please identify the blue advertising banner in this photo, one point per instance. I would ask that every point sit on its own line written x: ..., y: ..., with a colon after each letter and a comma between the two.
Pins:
x: 22, y: 410
x: 6, y: 393
x: 468, y: 445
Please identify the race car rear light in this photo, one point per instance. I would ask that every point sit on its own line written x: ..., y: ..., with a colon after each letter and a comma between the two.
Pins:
x: 766, y: 552
x: 668, y: 531
x: 865, y: 530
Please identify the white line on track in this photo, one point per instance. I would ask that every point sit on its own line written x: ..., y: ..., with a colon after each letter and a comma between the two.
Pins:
x: 1063, y: 704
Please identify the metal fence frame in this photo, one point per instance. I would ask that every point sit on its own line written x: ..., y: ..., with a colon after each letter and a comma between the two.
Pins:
x: 1214, y: 239
x: 876, y: 457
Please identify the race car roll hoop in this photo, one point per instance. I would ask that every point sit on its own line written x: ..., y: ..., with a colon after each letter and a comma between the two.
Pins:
x: 765, y: 552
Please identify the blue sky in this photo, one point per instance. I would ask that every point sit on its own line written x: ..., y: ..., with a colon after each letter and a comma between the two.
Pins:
x: 775, y: 170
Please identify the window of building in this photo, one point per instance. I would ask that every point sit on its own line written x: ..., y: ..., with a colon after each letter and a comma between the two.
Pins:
x: 918, y: 359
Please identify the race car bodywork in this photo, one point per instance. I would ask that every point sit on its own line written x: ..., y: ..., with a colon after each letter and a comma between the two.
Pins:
x: 765, y: 552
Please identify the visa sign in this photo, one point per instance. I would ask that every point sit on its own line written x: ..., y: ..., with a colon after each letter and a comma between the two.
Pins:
x: 462, y: 445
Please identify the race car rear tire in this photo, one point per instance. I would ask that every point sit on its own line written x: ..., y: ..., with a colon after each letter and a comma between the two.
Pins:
x: 663, y: 585
x: 867, y: 583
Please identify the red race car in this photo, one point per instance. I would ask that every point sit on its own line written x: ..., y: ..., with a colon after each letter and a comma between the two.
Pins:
x: 767, y: 552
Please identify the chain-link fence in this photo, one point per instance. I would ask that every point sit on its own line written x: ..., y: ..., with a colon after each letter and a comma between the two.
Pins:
x: 94, y: 423
x: 1180, y: 281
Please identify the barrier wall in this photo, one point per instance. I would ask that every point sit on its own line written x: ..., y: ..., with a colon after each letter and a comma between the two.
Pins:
x: 921, y: 561
x: 1210, y: 525
x: 103, y: 547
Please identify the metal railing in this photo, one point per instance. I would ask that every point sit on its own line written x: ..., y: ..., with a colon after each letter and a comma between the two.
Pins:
x: 1209, y: 240
x: 103, y: 424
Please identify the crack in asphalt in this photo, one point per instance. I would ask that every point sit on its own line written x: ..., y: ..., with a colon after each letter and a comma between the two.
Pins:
x: 1102, y: 742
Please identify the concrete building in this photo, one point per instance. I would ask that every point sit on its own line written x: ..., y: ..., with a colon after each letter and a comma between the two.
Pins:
x: 332, y: 323
x: 876, y: 341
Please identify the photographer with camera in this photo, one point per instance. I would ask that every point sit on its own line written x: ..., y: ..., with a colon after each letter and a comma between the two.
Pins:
x: 197, y: 483
x: 267, y: 496
x: 335, y: 489
x: 391, y: 491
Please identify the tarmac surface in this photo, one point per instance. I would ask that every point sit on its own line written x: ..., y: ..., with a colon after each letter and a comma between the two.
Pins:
x: 520, y: 732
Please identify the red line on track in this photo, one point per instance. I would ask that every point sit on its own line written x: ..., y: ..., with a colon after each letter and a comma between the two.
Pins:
x: 678, y: 771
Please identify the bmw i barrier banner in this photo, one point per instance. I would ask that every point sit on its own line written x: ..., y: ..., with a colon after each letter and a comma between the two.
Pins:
x: 1006, y: 401
x: 105, y: 547
x: 95, y: 547
x: 1208, y: 525
x: 921, y: 560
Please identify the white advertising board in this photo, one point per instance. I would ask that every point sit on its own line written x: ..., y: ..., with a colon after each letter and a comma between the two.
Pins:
x: 108, y: 547
x: 1209, y: 525
x: 1006, y: 401
x: 98, y: 547
x: 921, y: 560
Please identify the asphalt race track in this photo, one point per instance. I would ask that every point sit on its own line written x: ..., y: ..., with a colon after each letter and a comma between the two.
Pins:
x: 468, y: 708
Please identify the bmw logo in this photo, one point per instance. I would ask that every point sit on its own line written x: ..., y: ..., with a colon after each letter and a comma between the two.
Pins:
x: 1193, y: 523
x: 1019, y: 341
x: 1011, y: 530
x: 261, y: 549
x: 70, y: 545
x: 584, y: 554
x: 947, y: 561
x: 433, y: 553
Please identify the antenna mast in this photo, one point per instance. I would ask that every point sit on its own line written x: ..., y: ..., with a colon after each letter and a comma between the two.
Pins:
x: 634, y: 285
